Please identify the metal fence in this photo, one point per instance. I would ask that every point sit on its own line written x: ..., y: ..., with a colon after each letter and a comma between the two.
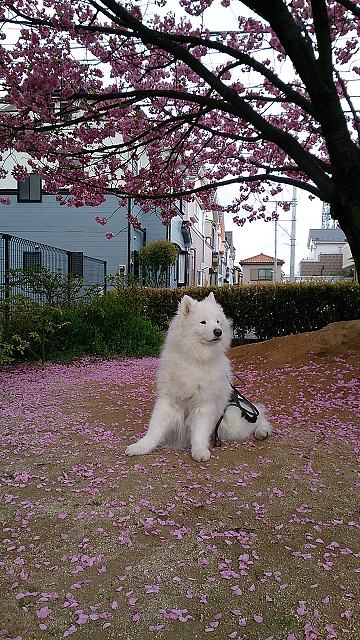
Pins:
x: 18, y: 253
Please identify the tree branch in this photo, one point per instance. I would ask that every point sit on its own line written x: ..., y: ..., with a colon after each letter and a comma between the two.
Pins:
x: 240, y: 108
x: 351, y: 6
x: 214, y: 185
x: 323, y: 37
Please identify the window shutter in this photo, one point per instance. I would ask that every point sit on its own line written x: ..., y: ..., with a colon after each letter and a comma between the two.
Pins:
x: 254, y: 274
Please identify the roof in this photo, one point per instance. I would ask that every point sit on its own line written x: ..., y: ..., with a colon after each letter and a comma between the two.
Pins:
x: 326, y: 235
x: 261, y: 258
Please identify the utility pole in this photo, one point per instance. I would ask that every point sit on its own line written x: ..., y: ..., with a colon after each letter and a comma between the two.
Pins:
x: 293, y: 236
x: 275, y: 246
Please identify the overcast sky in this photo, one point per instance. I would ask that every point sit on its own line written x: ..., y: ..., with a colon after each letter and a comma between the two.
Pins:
x: 259, y: 237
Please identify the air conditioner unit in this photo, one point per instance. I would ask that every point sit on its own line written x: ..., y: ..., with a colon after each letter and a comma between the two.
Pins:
x: 122, y: 270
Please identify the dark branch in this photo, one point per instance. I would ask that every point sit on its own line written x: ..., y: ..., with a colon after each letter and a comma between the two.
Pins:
x: 323, y: 37
x: 351, y: 6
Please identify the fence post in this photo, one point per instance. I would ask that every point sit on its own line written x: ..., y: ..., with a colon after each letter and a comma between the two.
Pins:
x: 6, y: 237
x: 105, y: 276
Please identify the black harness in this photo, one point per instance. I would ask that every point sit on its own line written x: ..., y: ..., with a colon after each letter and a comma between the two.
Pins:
x: 248, y: 411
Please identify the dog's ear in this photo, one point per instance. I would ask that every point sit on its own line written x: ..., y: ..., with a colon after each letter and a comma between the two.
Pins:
x: 211, y: 297
x: 186, y: 305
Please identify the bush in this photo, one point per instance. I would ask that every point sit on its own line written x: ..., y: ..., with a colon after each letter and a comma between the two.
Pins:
x: 155, y: 259
x: 29, y: 326
x: 114, y: 324
x: 109, y: 325
x: 131, y: 321
x: 268, y: 311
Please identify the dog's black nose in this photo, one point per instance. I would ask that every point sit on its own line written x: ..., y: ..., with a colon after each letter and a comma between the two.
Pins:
x: 217, y: 332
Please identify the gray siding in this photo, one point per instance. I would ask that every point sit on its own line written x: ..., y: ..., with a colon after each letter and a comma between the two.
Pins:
x: 75, y: 229
x: 70, y: 228
x: 155, y: 230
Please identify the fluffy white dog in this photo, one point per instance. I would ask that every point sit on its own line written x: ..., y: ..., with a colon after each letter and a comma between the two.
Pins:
x: 193, y: 385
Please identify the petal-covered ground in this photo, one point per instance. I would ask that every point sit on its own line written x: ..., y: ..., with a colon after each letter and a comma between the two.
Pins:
x: 260, y: 543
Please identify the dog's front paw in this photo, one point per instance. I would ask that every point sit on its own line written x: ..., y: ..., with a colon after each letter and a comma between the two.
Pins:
x: 262, y: 431
x: 139, y: 448
x: 200, y: 455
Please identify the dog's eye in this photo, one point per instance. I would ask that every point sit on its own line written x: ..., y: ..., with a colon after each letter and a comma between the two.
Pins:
x: 218, y: 321
x: 203, y: 322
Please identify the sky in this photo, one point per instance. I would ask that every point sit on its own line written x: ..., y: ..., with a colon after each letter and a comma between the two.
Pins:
x: 259, y: 236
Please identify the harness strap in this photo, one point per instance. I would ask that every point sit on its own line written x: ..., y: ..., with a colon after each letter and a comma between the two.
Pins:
x: 251, y: 414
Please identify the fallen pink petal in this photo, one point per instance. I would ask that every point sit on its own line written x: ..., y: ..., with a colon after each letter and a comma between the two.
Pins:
x: 245, y: 545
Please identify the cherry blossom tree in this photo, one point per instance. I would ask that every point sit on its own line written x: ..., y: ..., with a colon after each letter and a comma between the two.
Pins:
x: 96, y: 86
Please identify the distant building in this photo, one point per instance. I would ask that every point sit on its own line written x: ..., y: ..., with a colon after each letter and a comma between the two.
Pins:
x: 260, y: 269
x: 204, y: 254
x: 348, y: 264
x: 325, y: 252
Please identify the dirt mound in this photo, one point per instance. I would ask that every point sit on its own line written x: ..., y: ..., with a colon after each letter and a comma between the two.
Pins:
x: 334, y: 339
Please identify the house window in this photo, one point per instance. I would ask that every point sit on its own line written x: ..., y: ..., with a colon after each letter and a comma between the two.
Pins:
x: 261, y: 274
x: 181, y: 269
x: 31, y: 260
x: 30, y: 189
x: 265, y: 274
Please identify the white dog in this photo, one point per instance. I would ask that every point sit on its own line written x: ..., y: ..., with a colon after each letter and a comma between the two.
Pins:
x: 193, y: 385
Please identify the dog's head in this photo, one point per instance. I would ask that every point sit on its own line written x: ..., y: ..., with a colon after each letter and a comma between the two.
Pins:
x: 205, y: 322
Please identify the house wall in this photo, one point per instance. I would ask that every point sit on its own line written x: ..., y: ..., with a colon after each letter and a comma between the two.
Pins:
x: 70, y: 228
x: 75, y: 229
x: 200, y: 259
x: 317, y: 248
x: 348, y: 260
x: 249, y: 276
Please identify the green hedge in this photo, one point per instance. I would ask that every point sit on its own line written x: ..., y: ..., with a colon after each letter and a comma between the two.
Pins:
x: 114, y: 324
x: 268, y: 311
x: 131, y: 321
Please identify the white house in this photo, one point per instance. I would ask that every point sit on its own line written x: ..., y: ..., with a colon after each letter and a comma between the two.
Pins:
x: 325, y: 253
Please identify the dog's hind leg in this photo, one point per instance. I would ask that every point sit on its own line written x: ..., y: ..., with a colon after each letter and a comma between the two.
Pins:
x: 235, y: 427
x: 263, y: 426
x: 164, y: 418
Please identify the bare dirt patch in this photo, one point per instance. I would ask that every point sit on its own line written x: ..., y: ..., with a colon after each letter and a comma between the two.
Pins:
x: 261, y: 542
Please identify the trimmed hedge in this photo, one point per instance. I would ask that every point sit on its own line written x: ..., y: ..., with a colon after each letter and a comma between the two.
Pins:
x: 267, y: 311
x: 109, y: 325
x: 131, y: 321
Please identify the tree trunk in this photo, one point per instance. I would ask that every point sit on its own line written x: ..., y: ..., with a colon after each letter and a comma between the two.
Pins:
x: 348, y: 216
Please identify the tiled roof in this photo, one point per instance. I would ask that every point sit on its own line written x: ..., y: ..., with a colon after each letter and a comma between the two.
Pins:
x: 261, y: 258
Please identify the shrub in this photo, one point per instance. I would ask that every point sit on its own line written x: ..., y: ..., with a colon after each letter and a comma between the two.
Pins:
x: 106, y: 326
x: 268, y: 311
x: 32, y: 324
x: 131, y: 321
x: 155, y: 260
x: 113, y: 324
